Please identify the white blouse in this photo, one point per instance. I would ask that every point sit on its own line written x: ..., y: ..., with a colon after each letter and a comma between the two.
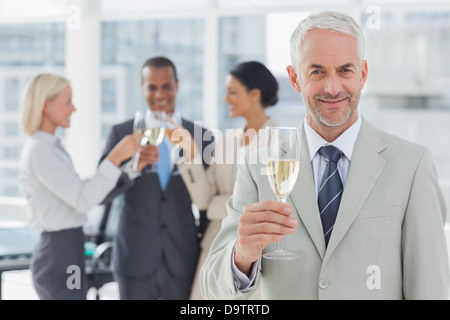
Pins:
x: 56, y: 195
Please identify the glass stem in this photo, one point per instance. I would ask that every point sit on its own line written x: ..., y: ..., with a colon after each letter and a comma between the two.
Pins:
x: 280, y: 244
x: 135, y: 162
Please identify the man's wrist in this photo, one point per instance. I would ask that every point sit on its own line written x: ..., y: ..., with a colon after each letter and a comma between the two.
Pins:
x: 244, y: 265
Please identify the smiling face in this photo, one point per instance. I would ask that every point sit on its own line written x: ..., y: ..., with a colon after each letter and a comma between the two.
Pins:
x: 330, y: 78
x: 238, y: 97
x: 57, y: 111
x: 159, y: 87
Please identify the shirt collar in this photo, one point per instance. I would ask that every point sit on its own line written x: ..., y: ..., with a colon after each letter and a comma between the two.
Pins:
x: 41, y: 135
x: 345, y: 142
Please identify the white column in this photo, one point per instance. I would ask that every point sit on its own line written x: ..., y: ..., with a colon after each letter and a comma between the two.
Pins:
x: 83, y: 71
x: 210, y: 66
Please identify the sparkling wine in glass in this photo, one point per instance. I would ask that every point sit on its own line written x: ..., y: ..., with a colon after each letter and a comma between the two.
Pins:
x: 283, y: 165
x: 155, y: 127
x: 151, y: 125
x: 139, y: 127
x: 156, y: 123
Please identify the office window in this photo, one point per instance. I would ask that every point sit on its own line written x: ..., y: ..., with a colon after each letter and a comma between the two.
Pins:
x: 11, y: 173
x: 240, y: 39
x: 106, y: 127
x: 407, y: 92
x: 413, y: 73
x: 407, y: 48
x: 25, y: 50
x: 32, y: 45
x: 126, y: 45
x: 109, y: 103
x: 11, y: 95
x: 11, y: 153
x: 10, y: 129
x: 263, y: 38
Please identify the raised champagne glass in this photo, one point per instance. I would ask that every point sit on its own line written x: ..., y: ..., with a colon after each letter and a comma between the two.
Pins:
x: 173, y: 122
x: 156, y: 123
x: 151, y: 125
x: 283, y: 165
x: 139, y: 126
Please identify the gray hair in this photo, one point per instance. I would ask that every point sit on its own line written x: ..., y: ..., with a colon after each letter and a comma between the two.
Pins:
x: 325, y: 20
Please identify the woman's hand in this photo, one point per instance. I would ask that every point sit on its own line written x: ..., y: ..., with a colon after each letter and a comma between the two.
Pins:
x: 125, y: 149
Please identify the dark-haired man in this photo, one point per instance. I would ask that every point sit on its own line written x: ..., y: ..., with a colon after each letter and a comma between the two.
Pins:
x: 156, y: 247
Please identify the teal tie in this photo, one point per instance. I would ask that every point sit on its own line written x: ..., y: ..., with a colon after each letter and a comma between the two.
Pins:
x: 163, y: 165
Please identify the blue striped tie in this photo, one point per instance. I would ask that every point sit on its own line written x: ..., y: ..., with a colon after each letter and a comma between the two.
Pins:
x: 330, y: 190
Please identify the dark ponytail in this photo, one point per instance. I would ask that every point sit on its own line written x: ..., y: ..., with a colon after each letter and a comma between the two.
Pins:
x: 255, y: 75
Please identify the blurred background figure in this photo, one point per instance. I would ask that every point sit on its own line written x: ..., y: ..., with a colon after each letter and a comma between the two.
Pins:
x: 57, y: 197
x: 156, y: 248
x: 251, y: 88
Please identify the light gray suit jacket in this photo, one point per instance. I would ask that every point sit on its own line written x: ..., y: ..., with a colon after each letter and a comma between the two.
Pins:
x: 388, y: 241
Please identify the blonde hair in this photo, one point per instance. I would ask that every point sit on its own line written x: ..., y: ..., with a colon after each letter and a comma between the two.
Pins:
x: 325, y: 20
x: 43, y: 87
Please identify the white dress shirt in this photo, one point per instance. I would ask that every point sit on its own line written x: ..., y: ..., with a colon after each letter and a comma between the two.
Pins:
x: 56, y: 195
x: 345, y: 142
x: 173, y: 158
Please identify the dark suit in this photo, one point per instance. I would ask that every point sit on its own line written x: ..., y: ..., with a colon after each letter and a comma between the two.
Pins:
x: 156, y: 247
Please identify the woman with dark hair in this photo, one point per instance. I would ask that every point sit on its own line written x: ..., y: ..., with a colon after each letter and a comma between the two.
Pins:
x: 251, y: 88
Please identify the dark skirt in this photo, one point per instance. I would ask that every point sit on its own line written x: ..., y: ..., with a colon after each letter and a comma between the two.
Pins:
x: 57, y: 265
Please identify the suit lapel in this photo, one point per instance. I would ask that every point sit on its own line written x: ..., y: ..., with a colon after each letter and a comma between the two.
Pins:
x: 365, y: 168
x: 305, y: 200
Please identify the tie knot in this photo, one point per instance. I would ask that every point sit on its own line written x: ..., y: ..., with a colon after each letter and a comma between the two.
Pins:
x: 330, y: 153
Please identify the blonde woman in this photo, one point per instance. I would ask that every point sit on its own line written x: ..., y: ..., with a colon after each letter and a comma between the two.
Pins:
x: 57, y: 197
x: 251, y: 88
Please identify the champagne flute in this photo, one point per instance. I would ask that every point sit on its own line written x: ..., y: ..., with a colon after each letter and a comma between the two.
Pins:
x: 151, y: 125
x: 283, y: 165
x: 155, y: 127
x: 139, y: 126
x: 173, y: 122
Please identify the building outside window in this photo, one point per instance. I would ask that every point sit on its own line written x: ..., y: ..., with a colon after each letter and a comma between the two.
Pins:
x: 25, y: 50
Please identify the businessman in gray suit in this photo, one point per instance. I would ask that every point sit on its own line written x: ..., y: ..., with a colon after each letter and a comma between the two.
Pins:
x: 156, y: 247
x: 386, y: 237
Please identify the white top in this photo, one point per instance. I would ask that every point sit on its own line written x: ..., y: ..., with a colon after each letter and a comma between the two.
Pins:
x: 57, y: 197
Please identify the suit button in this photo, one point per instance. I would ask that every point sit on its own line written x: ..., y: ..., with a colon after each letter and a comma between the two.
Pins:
x: 323, y: 283
x: 163, y: 199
